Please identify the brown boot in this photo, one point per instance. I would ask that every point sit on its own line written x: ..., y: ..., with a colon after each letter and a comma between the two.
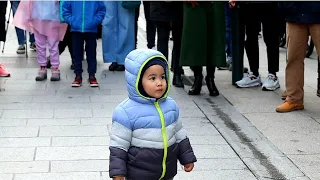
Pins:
x: 288, y: 107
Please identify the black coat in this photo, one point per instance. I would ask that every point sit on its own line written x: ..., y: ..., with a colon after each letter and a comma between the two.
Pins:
x: 3, y: 8
x: 301, y: 12
x: 166, y: 11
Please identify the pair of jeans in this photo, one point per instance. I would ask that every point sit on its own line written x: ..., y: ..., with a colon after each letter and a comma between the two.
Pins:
x: 20, y: 33
x: 67, y: 41
x: 78, y: 40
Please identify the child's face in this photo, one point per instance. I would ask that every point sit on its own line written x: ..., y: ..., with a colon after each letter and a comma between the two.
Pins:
x: 154, y: 81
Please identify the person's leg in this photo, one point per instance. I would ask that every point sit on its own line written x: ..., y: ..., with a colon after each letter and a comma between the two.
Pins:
x: 270, y: 23
x: 163, y: 37
x: 315, y: 35
x: 3, y: 9
x: 54, y: 59
x: 197, y: 83
x: 41, y: 42
x: 137, y: 13
x: 297, y: 46
x: 91, y: 47
x: 251, y: 44
x: 151, y: 26
x: 20, y: 33
x: 110, y: 34
x: 228, y: 33
x: 77, y: 51
x: 177, y: 69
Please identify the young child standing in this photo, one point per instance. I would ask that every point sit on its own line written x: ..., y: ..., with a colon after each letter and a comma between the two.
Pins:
x: 84, y: 17
x: 45, y: 14
x: 147, y: 135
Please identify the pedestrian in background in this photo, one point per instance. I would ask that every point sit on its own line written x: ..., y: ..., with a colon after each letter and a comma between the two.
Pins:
x: 302, y: 20
x: 84, y: 18
x: 203, y: 42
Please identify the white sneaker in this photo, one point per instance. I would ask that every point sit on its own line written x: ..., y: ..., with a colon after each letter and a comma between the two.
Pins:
x: 249, y: 80
x: 271, y: 83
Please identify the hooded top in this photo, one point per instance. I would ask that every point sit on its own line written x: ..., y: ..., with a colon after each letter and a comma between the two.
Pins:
x: 147, y: 136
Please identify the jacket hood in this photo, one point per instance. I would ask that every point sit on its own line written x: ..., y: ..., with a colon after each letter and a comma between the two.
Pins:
x: 134, y: 63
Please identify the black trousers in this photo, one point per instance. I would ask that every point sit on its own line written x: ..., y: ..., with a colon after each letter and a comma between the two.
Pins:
x: 266, y: 13
x: 78, y: 40
x: 67, y: 41
x: 151, y: 25
x: 164, y: 28
x: 3, y: 8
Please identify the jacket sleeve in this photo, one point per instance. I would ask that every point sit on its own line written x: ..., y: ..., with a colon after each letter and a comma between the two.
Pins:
x: 186, y: 154
x: 101, y: 12
x: 120, y: 140
x: 67, y: 12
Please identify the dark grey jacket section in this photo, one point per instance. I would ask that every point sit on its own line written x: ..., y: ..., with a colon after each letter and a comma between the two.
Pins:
x: 166, y: 11
x: 307, y: 12
x: 146, y: 163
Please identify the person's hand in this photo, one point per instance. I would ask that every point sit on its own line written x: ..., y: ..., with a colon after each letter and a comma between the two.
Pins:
x: 193, y: 3
x: 188, y: 167
x: 232, y: 3
x: 118, y: 178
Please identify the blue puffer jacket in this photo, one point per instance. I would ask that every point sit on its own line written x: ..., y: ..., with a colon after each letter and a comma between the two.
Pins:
x: 83, y: 16
x: 147, y: 136
x: 301, y: 12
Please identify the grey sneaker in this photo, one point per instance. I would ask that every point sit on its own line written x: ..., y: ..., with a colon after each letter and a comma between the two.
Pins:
x: 42, y: 74
x: 21, y: 49
x: 33, y: 46
x: 55, y: 74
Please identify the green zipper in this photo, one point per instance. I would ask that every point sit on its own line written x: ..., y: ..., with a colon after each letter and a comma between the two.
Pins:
x: 83, y: 8
x: 165, y: 140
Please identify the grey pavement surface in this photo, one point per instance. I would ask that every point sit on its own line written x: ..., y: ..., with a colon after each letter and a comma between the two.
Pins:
x: 50, y: 131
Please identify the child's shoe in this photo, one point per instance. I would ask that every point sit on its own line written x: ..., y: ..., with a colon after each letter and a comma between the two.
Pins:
x: 55, y: 74
x: 42, y: 74
x: 77, y: 81
x: 93, y: 81
x: 3, y: 72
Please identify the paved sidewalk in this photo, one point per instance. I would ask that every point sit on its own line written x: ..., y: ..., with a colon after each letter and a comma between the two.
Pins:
x: 49, y: 130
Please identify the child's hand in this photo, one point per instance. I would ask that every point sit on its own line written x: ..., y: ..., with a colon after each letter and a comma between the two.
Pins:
x: 188, y: 167
x: 118, y: 178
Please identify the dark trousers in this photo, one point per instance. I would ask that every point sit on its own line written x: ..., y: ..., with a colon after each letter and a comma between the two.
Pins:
x: 3, y: 8
x: 266, y: 13
x: 67, y: 41
x: 151, y: 25
x: 164, y: 28
x: 78, y: 40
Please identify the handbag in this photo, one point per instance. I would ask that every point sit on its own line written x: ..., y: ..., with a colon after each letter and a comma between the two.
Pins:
x: 130, y: 4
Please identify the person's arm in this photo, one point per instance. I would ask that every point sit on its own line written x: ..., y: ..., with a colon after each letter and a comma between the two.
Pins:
x: 101, y: 12
x: 67, y: 11
x: 186, y: 155
x: 120, y: 141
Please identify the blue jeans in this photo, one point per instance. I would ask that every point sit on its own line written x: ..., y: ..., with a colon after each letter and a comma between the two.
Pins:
x: 20, y: 32
x: 228, y: 30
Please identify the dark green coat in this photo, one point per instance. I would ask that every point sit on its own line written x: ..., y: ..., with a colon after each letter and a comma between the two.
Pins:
x: 203, y: 36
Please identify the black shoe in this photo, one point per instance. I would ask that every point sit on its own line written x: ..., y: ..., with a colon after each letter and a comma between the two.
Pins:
x: 211, y: 86
x: 120, y: 68
x: 177, y: 81
x: 113, y: 66
x: 197, y: 85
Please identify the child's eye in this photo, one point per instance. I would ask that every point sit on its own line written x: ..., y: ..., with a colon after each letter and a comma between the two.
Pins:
x: 153, y: 78
x: 163, y: 77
